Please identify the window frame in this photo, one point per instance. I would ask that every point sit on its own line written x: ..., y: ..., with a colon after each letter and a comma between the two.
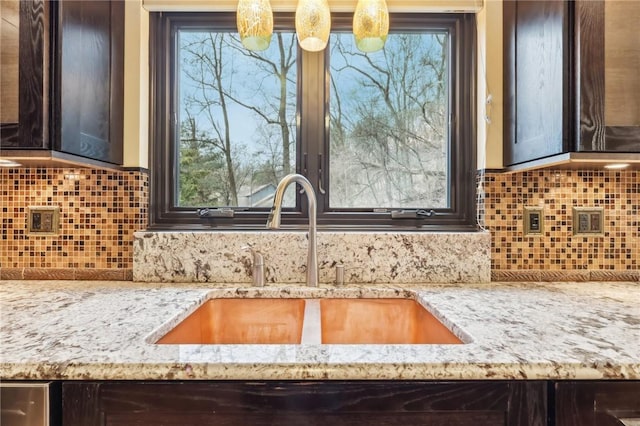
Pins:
x: 313, y: 82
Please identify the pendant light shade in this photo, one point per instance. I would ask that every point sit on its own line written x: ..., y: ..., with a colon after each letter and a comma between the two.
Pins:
x: 313, y: 24
x: 371, y: 25
x: 255, y: 23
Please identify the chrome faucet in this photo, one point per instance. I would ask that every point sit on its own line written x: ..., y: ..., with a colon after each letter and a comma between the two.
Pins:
x: 257, y: 268
x: 273, y: 222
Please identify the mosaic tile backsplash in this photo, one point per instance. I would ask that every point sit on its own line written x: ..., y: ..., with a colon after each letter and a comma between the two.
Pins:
x: 557, y: 249
x: 99, y: 212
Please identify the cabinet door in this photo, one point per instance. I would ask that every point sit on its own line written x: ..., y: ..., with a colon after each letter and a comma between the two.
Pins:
x: 24, y: 26
x: 305, y: 403
x: 536, y: 70
x: 90, y: 79
x: 607, y: 42
x: 597, y: 403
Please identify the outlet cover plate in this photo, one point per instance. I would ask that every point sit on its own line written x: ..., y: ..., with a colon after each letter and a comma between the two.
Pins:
x: 43, y: 220
x: 588, y: 221
x: 533, y: 221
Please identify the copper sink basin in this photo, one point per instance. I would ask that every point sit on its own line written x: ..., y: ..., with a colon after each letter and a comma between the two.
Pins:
x: 381, y: 321
x: 310, y: 321
x: 241, y: 321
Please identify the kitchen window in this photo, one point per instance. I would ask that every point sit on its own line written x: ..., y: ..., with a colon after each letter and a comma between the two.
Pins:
x: 387, y: 139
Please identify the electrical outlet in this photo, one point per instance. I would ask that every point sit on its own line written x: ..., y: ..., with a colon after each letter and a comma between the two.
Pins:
x: 533, y: 220
x: 43, y: 220
x: 588, y: 221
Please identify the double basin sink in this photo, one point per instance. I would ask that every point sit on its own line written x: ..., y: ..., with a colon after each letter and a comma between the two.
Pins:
x: 310, y: 321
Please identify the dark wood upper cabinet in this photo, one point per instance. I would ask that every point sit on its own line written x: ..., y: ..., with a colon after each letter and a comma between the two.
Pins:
x: 607, y: 56
x: 24, y: 26
x: 536, y: 60
x: 570, y: 78
x: 90, y: 79
x: 73, y: 50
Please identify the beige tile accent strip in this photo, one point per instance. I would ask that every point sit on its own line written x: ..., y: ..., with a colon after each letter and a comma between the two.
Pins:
x: 615, y: 275
x: 101, y: 274
x: 573, y: 276
x: 48, y: 274
x: 66, y: 274
x: 10, y: 273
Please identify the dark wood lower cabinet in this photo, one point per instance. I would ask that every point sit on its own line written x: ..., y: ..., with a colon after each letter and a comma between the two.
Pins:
x: 352, y: 403
x: 335, y: 403
x: 597, y: 403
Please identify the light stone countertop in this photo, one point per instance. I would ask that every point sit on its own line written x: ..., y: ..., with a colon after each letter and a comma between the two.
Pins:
x: 100, y: 330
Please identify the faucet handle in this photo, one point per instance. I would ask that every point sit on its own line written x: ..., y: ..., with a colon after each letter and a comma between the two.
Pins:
x: 340, y: 274
x: 258, y: 259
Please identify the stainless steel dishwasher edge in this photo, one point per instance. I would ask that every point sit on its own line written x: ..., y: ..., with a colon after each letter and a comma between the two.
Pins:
x: 30, y: 404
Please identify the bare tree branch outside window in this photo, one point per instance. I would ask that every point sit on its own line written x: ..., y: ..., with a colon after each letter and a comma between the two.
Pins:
x: 237, y: 118
x: 389, y: 128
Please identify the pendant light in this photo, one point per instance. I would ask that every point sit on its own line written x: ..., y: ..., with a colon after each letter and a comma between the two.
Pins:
x: 313, y: 24
x: 371, y: 25
x: 255, y: 23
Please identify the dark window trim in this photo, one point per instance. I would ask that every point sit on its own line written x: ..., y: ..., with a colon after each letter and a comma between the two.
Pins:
x: 461, y: 216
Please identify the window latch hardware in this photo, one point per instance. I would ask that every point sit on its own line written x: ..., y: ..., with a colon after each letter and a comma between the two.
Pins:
x: 320, y: 174
x: 412, y: 214
x: 215, y: 212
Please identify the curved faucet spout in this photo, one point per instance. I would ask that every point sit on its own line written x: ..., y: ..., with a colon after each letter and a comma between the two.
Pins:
x: 273, y: 222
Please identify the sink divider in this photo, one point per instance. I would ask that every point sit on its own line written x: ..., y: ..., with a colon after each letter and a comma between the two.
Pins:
x: 311, y: 323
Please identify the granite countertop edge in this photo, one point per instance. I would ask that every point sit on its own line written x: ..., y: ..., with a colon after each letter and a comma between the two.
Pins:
x: 382, y: 371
